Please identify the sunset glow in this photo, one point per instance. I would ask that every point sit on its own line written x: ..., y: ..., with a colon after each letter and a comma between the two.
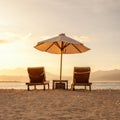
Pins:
x: 24, y: 23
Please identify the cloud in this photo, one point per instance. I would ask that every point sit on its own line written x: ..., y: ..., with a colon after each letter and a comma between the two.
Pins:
x: 3, y: 41
x: 9, y: 37
x: 29, y: 35
x: 82, y: 38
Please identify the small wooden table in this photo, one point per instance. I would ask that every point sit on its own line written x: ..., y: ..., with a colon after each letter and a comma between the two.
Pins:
x: 60, y: 81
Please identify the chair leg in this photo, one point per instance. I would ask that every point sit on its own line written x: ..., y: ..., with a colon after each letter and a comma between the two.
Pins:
x: 34, y: 87
x: 28, y: 87
x: 90, y: 87
x: 44, y: 86
x: 53, y: 85
x: 73, y: 87
x: 48, y: 85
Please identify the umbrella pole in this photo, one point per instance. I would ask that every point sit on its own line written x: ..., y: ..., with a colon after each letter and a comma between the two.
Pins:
x: 61, y: 66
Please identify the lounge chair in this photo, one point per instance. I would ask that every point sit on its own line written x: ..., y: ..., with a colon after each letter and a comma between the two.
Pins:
x: 81, y: 77
x: 37, y: 77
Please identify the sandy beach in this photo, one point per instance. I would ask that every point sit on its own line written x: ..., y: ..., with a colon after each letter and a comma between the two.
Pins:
x: 59, y: 105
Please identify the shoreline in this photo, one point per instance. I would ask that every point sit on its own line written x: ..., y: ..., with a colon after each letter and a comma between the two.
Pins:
x: 97, y: 85
x: 41, y: 89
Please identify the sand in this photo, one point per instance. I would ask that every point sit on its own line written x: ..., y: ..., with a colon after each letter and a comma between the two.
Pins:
x: 59, y: 105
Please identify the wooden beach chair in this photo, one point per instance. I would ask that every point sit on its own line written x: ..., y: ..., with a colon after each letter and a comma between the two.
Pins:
x: 37, y: 77
x: 81, y: 77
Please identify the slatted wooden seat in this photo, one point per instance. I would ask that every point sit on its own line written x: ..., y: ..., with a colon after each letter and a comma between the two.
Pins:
x: 37, y: 77
x: 81, y: 77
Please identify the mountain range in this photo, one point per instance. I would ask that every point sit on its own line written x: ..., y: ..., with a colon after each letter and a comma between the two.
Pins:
x: 20, y: 75
x: 111, y: 75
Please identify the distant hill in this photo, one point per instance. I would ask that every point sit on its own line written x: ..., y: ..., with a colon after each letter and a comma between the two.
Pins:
x: 8, y: 78
x: 12, y: 72
x: 20, y: 75
x: 111, y: 75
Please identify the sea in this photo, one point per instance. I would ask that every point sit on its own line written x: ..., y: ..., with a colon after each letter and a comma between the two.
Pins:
x: 95, y: 85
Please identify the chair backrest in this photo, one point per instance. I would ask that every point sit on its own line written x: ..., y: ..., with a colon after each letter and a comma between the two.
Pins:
x: 36, y: 74
x: 81, y: 74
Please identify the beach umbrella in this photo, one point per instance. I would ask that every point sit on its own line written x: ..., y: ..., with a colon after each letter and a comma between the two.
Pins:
x: 61, y: 44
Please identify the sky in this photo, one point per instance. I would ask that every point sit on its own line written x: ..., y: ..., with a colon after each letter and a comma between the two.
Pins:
x: 95, y: 23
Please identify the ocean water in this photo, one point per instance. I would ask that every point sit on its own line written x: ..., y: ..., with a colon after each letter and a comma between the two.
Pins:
x: 95, y: 85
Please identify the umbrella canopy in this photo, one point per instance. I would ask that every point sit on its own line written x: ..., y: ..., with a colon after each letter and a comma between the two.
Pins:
x: 61, y: 45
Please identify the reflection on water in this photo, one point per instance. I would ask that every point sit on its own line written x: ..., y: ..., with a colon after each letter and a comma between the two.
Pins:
x: 95, y: 85
x: 106, y: 85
